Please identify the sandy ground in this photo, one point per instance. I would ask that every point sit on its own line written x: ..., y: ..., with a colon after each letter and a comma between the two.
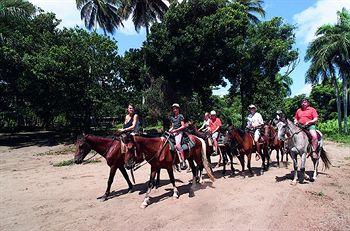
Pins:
x: 35, y: 195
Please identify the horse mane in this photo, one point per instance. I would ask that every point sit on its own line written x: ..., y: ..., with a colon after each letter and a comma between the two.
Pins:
x: 98, y: 138
x: 240, y: 132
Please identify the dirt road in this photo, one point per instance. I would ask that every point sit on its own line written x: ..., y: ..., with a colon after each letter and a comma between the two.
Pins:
x: 35, y: 195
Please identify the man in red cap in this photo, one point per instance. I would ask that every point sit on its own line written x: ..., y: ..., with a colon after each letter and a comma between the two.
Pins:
x: 307, y: 116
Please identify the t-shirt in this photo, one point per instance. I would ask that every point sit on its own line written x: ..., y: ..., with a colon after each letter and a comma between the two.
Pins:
x: 176, y: 120
x: 303, y: 116
x: 214, y: 124
x: 255, y: 120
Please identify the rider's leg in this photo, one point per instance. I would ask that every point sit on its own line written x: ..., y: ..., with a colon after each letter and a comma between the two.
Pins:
x: 256, y: 139
x: 178, y: 139
x: 314, y: 141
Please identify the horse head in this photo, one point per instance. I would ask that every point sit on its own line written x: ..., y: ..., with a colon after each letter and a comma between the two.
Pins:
x: 83, y: 148
x: 282, y: 128
x: 130, y: 153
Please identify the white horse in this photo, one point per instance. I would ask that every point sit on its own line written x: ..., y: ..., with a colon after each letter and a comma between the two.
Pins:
x: 298, y: 143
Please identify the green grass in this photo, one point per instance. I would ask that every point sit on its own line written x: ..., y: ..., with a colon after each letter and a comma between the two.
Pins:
x: 67, y: 150
x: 71, y: 162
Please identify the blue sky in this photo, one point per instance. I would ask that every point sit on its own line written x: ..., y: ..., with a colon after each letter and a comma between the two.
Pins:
x: 306, y: 15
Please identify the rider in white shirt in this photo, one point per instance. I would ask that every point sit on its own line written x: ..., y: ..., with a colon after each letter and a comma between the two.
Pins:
x: 255, y: 121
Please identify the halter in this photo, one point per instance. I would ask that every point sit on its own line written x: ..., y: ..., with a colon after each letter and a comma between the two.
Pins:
x: 86, y: 161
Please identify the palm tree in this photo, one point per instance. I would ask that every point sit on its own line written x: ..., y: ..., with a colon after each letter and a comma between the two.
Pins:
x: 253, y: 7
x: 330, y: 54
x: 104, y: 13
x: 143, y: 12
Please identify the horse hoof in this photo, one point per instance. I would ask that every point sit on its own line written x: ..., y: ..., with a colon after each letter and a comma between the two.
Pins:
x: 175, y: 196
x: 191, y: 193
x: 103, y: 199
x: 262, y: 173
x: 242, y: 177
x: 293, y: 183
x: 143, y: 206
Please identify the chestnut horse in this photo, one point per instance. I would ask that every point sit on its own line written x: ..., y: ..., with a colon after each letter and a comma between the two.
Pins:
x: 226, y: 150
x: 245, y: 145
x: 274, y: 143
x: 110, y: 149
x: 156, y: 151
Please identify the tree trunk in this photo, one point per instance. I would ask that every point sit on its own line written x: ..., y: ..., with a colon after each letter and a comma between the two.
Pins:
x: 335, y: 83
x: 345, y: 103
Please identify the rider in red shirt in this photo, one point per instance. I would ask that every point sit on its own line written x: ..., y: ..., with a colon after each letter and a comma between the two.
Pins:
x: 307, y: 116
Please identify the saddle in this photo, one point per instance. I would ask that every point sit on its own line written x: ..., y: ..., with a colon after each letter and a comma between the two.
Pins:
x: 186, y: 142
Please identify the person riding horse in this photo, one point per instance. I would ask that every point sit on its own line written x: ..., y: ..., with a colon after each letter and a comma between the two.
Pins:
x: 214, y: 129
x: 131, y: 122
x: 205, y: 125
x: 177, y: 127
x: 255, y: 122
x: 307, y: 117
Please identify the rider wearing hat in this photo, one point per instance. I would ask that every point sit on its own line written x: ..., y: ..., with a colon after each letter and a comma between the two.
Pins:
x: 177, y: 126
x: 307, y: 116
x: 214, y: 128
x: 255, y: 121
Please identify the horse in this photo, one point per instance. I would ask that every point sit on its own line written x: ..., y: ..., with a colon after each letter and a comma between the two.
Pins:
x: 298, y: 144
x: 274, y: 143
x: 156, y: 151
x: 108, y: 148
x: 245, y: 145
x: 225, y: 150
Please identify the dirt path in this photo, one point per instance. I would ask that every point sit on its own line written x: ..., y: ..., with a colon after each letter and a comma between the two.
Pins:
x: 34, y: 195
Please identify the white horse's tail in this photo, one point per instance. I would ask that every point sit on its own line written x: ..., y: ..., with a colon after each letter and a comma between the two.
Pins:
x: 205, y: 160
x: 323, y: 154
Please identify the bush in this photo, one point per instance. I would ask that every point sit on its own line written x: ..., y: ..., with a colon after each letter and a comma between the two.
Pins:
x: 330, y: 129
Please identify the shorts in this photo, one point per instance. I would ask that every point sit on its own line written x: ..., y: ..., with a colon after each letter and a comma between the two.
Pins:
x: 215, y: 135
x: 311, y: 127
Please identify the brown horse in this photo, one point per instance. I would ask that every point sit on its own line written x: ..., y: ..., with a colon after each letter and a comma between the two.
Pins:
x: 156, y: 152
x: 110, y: 149
x: 274, y: 143
x: 226, y: 150
x: 245, y: 145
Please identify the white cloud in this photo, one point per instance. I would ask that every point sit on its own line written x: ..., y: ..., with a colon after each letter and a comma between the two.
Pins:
x: 67, y: 11
x: 306, y: 89
x: 323, y: 12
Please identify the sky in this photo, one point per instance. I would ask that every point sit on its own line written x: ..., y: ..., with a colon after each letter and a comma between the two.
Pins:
x: 306, y: 15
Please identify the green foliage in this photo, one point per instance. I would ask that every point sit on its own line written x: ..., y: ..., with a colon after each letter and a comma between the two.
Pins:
x: 330, y: 130
x: 52, y: 76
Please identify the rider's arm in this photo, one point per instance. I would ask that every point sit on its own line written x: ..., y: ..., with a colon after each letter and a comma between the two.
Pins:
x: 134, y: 122
x: 202, y: 127
x: 183, y: 126
x: 296, y: 117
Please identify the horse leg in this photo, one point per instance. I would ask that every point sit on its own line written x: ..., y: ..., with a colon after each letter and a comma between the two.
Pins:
x: 266, y: 150
x: 194, y: 174
x: 230, y: 155
x: 316, y: 162
x: 172, y: 180
x: 263, y: 157
x: 112, y: 172
x: 224, y: 157
x: 146, y: 200
x: 158, y: 179
x: 278, y: 156
x: 126, y: 177
x: 241, y: 160
x: 302, y: 168
x: 200, y: 174
x: 248, y: 164
x: 294, y: 156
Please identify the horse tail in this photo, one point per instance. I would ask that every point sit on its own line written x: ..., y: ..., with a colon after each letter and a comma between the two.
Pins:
x: 205, y: 160
x: 325, y: 158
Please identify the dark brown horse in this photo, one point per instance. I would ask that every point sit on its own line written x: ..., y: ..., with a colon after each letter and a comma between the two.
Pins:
x: 226, y: 150
x: 156, y: 152
x: 245, y: 145
x: 110, y: 149
x: 274, y: 143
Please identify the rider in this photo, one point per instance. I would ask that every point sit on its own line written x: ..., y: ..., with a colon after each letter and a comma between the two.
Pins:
x: 307, y: 116
x: 177, y: 126
x: 214, y: 128
x: 279, y: 115
x: 255, y: 121
x: 206, y: 122
x: 131, y: 122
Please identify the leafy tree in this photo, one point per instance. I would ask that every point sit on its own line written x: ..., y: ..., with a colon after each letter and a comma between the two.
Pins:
x: 192, y: 54
x: 329, y: 53
x: 267, y: 49
x: 253, y: 7
x: 143, y: 12
x: 104, y: 13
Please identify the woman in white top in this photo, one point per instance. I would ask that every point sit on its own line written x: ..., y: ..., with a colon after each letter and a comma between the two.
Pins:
x: 255, y: 121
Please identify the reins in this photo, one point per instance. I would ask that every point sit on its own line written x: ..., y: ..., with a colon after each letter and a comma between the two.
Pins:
x: 103, y: 155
